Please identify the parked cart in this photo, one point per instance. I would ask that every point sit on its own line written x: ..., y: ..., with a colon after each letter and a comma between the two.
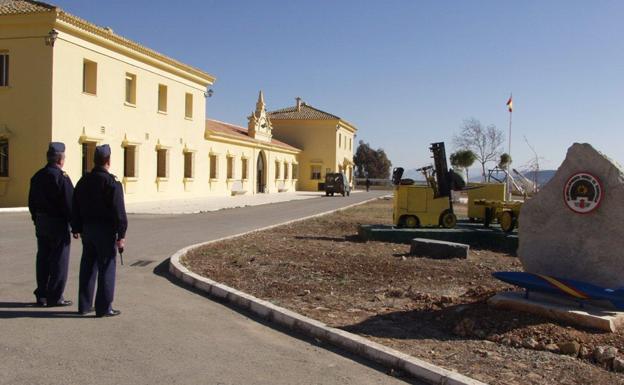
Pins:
x: 506, y: 213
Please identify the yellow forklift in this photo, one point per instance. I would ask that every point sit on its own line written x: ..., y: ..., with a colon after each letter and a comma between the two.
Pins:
x: 430, y: 204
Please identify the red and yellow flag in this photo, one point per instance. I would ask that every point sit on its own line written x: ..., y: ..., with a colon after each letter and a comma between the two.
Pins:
x: 510, y: 104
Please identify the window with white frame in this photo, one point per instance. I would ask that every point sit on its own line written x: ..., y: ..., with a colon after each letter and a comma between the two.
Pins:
x: 286, y: 171
x: 4, y: 69
x: 277, y: 170
x: 295, y: 171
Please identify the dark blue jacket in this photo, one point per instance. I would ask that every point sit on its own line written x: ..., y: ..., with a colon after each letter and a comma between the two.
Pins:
x: 51, y: 193
x: 99, y: 199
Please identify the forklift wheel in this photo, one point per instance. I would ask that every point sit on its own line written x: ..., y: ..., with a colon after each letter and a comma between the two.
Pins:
x: 507, y: 221
x: 448, y: 220
x: 411, y: 221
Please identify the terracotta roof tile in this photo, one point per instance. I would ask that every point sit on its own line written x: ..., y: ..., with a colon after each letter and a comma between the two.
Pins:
x: 306, y: 112
x: 14, y: 7
x: 241, y: 133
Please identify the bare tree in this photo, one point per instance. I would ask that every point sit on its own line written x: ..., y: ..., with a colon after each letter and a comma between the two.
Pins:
x: 485, y: 142
x: 533, y: 165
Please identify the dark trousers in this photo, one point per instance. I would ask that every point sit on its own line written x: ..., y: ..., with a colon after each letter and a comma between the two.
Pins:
x: 53, y: 242
x: 97, y: 263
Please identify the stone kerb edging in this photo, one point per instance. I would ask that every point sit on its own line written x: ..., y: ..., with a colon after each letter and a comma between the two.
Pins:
x: 353, y: 343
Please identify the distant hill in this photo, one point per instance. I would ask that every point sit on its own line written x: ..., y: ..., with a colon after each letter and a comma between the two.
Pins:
x: 543, y: 176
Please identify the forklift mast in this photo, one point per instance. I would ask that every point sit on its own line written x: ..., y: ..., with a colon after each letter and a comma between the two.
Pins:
x: 443, y: 185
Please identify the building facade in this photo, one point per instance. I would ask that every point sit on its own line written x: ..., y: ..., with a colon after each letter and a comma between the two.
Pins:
x: 250, y: 159
x: 325, y: 140
x: 65, y: 79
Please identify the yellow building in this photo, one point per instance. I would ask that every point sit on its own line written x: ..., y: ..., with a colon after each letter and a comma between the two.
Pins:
x: 65, y: 79
x: 250, y: 159
x: 325, y: 140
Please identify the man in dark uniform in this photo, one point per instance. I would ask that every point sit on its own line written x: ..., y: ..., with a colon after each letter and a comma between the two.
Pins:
x: 99, y: 216
x: 49, y: 202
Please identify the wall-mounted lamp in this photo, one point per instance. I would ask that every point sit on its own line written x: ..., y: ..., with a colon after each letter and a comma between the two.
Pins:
x: 208, y: 94
x: 51, y: 38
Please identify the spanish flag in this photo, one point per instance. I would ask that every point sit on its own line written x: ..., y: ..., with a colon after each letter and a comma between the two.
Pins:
x: 510, y: 104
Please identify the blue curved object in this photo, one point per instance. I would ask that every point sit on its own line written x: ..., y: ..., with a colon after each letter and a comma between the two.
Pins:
x: 570, y: 288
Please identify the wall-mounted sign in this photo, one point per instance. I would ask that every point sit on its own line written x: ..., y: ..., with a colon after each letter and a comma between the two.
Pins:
x: 582, y: 193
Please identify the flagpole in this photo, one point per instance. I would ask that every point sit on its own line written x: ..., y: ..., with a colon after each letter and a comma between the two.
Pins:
x: 509, y: 180
x: 509, y: 151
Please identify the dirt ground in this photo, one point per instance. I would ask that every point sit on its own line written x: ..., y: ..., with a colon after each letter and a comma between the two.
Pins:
x: 431, y: 309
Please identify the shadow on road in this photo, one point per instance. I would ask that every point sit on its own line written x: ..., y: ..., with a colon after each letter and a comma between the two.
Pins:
x: 12, y: 305
x: 162, y: 270
x: 5, y: 314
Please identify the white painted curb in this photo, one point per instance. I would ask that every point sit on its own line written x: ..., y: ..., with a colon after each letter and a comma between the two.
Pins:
x: 13, y: 210
x: 353, y: 343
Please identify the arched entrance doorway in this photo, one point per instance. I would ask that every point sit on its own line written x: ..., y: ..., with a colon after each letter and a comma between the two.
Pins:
x: 261, y: 173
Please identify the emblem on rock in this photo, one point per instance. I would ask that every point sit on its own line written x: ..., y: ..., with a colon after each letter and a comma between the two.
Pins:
x: 582, y: 192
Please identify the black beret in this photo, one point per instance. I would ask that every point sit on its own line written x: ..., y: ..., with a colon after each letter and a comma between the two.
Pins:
x: 102, y: 152
x: 56, y: 147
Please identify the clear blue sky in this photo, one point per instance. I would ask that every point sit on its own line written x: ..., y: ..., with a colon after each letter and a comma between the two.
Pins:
x: 406, y: 73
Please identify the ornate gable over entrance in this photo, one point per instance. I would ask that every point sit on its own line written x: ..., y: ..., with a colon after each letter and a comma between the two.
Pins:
x: 259, y: 126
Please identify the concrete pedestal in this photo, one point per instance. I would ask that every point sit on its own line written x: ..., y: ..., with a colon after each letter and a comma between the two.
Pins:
x: 561, y: 309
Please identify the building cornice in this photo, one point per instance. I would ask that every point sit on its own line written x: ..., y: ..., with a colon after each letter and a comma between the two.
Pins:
x: 220, y: 137
x: 68, y: 23
x: 326, y: 122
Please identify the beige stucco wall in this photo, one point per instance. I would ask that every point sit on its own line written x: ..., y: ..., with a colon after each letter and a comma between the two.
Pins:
x: 318, y: 140
x: 239, y: 150
x: 25, y: 105
x: 107, y: 118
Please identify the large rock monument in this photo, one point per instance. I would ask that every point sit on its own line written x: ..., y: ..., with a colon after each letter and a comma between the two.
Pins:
x: 574, y: 227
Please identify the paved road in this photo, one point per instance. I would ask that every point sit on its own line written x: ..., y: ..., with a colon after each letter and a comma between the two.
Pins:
x: 166, y: 334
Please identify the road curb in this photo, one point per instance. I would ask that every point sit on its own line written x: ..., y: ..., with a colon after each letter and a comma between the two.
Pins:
x: 353, y: 343
x: 13, y: 210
